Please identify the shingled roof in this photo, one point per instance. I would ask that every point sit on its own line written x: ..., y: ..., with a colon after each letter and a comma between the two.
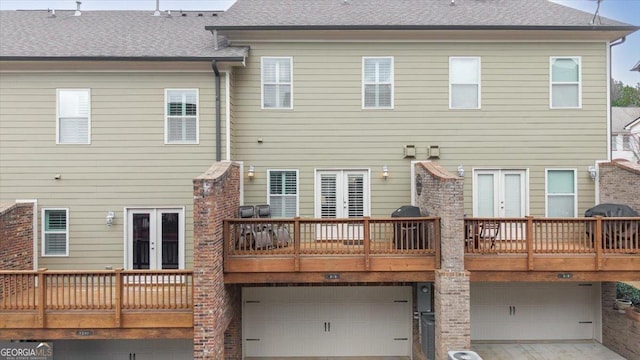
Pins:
x: 408, y: 13
x: 110, y: 34
x: 184, y: 36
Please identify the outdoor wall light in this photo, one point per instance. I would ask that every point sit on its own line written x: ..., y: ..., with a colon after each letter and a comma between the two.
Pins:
x: 385, y: 172
x: 460, y: 171
x: 251, y: 172
x: 110, y: 216
x: 593, y: 172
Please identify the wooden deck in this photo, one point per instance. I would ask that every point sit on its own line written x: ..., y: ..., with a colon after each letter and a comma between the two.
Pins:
x: 541, y: 248
x: 405, y: 249
x: 314, y: 250
x: 107, y: 304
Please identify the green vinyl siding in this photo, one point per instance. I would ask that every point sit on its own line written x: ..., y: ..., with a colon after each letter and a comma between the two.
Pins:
x: 328, y: 129
x: 127, y: 163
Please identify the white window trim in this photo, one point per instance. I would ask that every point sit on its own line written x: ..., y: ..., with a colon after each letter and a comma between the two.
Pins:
x: 391, y: 82
x: 43, y: 227
x: 575, y: 189
x: 166, y: 118
x: 262, y: 83
x: 88, y: 90
x: 451, y: 58
x: 551, y: 83
x: 297, y: 187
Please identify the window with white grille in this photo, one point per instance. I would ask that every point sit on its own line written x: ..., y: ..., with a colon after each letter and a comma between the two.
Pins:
x: 283, y: 193
x: 464, y: 83
x: 181, y: 120
x: 55, y: 232
x: 277, y: 82
x: 377, y: 82
x: 565, y: 82
x: 73, y: 125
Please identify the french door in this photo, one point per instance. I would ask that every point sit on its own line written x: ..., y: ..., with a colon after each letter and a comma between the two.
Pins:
x: 341, y: 194
x: 500, y: 193
x: 155, y: 239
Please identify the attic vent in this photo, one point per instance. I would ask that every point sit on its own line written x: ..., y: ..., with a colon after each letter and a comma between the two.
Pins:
x: 214, y: 14
x: 200, y: 14
x: 78, y: 12
x: 183, y: 14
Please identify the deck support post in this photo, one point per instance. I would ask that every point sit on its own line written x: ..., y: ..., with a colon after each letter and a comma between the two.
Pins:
x: 599, y: 242
x: 366, y: 244
x: 529, y: 242
x: 296, y: 244
x: 118, y: 304
x: 42, y: 294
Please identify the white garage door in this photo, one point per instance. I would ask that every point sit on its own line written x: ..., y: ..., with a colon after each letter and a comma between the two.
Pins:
x: 534, y: 311
x: 327, y: 321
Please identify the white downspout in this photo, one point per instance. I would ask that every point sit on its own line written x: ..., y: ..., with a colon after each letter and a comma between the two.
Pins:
x: 227, y: 106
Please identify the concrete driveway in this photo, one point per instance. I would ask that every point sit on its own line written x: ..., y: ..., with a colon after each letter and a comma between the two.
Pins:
x: 588, y: 350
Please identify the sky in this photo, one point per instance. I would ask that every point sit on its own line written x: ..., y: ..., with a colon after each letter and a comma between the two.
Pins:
x: 624, y: 56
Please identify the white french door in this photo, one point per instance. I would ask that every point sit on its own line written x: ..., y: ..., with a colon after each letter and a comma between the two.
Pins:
x: 500, y: 193
x: 341, y: 194
x: 155, y: 238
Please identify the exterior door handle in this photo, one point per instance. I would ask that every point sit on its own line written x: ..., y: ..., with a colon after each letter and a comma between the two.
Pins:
x: 514, y: 310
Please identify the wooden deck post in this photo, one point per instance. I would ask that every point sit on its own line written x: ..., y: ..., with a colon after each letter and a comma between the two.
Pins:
x: 529, y: 242
x: 296, y: 243
x: 366, y: 243
x: 599, y: 239
x: 118, y: 304
x: 42, y: 295
x: 437, y: 243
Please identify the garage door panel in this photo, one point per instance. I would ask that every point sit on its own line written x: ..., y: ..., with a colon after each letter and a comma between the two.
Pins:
x: 533, y: 311
x: 327, y: 321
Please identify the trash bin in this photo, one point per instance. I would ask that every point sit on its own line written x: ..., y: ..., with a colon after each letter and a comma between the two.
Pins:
x: 428, y: 337
x: 409, y: 234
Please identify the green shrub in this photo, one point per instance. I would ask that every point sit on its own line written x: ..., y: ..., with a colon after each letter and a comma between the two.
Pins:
x: 626, y: 291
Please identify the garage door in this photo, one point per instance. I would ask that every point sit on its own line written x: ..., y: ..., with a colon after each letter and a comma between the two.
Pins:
x: 534, y: 311
x: 327, y: 321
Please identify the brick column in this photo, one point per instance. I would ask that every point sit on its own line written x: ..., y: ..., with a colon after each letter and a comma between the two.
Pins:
x: 442, y: 195
x: 216, y: 196
x: 16, y: 237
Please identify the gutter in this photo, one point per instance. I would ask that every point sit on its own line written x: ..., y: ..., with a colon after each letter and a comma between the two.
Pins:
x: 123, y: 58
x: 422, y: 27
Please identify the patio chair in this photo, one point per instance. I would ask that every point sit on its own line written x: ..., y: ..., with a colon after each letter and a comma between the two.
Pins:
x: 246, y: 233
x: 280, y: 236
x: 488, y: 231
x: 263, y: 232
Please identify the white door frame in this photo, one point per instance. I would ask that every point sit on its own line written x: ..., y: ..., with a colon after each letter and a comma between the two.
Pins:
x: 155, y: 213
x: 499, y: 194
x: 341, y: 193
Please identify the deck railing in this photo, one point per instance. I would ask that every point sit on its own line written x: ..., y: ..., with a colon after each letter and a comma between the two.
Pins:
x: 553, y: 235
x: 302, y: 237
x: 112, y: 291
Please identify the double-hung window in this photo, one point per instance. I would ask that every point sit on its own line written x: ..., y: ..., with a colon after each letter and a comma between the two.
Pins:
x: 561, y: 193
x: 55, y: 232
x: 565, y: 82
x: 464, y: 83
x: 283, y: 193
x: 277, y: 82
x: 73, y: 124
x: 181, y: 116
x: 377, y: 82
